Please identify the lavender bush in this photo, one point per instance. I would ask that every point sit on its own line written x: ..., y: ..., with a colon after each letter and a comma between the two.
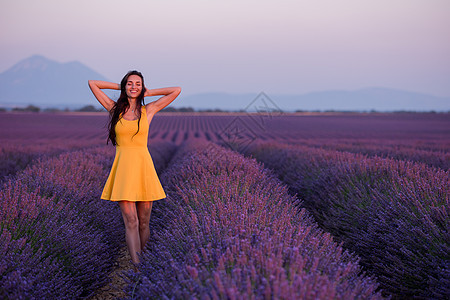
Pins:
x: 16, y: 155
x: 432, y: 153
x: 229, y: 229
x: 26, y: 270
x: 58, y: 238
x: 161, y: 153
x: 72, y: 232
x: 36, y: 262
x: 394, y: 214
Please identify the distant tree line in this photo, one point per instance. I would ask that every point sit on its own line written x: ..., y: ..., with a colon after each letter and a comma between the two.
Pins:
x: 190, y: 109
x: 30, y: 108
x: 92, y: 108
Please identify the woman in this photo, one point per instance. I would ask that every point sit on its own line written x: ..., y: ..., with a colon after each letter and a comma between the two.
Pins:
x: 133, y: 181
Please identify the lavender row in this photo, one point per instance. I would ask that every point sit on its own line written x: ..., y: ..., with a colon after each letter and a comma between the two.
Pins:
x: 58, y: 238
x: 161, y: 153
x: 55, y: 245
x: 432, y: 153
x: 393, y: 214
x: 229, y: 229
x: 17, y: 155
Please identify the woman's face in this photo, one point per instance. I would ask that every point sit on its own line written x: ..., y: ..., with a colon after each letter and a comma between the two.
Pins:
x: 133, y: 86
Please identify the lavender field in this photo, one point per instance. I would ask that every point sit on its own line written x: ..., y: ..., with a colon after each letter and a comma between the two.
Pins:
x: 282, y: 206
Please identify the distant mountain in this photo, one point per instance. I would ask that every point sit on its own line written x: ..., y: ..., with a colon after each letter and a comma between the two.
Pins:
x: 376, y: 98
x: 47, y: 83
x: 225, y: 101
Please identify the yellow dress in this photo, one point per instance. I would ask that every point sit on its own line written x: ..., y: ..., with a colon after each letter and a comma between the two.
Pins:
x: 133, y: 176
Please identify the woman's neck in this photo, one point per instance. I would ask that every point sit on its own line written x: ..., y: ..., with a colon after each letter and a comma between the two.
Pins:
x: 133, y: 104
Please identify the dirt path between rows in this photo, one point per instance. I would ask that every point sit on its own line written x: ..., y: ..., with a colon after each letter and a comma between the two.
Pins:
x: 114, y: 290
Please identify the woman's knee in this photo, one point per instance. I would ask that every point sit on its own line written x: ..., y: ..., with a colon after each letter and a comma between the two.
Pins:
x: 143, y: 226
x: 131, y: 221
x: 129, y: 214
x: 144, y: 211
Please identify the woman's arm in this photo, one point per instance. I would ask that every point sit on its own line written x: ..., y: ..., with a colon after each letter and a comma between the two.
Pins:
x: 97, y: 85
x: 170, y: 93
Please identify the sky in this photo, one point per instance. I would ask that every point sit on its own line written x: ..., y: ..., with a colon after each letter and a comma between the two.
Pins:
x: 241, y: 46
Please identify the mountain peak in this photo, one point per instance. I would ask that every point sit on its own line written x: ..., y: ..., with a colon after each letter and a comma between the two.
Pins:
x: 36, y: 57
x: 35, y: 62
x: 40, y: 81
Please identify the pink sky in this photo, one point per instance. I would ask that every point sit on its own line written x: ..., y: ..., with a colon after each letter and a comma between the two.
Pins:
x: 284, y: 47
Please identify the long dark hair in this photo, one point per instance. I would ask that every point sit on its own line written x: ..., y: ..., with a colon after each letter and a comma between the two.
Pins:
x: 122, y: 104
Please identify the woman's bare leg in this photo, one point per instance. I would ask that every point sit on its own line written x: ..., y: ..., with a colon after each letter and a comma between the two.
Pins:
x: 144, y: 210
x: 130, y: 218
